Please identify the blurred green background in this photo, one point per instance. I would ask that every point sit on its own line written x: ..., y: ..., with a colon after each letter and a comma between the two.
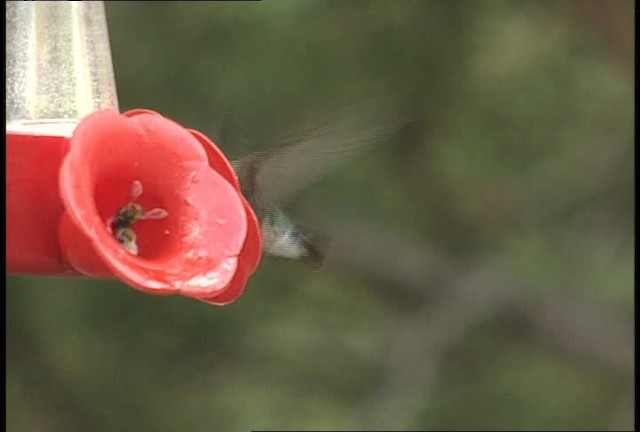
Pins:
x: 481, y: 270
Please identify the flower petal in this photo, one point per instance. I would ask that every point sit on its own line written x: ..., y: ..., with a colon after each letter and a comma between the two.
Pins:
x: 217, y: 160
x: 194, y: 251
x: 249, y: 260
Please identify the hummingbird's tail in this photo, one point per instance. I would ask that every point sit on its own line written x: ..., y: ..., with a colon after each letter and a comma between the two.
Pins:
x: 315, y: 248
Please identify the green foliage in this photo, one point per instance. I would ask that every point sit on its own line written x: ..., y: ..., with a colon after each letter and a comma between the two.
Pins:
x: 520, y: 154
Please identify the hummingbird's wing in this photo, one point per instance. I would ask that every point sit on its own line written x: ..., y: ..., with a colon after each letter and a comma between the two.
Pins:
x: 303, y: 158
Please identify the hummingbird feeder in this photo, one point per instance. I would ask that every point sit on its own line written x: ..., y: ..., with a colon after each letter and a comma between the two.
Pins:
x: 93, y: 192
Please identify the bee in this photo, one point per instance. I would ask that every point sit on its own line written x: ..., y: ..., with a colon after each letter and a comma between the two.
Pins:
x: 121, y: 223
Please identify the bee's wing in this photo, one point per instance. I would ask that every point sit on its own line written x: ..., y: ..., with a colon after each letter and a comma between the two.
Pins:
x: 136, y: 190
x: 156, y: 213
x: 303, y: 158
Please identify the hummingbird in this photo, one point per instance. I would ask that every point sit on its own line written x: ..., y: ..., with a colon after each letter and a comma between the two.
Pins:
x: 269, y: 178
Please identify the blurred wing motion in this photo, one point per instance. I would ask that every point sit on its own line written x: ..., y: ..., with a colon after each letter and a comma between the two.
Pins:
x: 271, y: 177
x: 301, y: 159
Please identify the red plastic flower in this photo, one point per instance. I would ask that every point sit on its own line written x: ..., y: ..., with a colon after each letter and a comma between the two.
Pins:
x: 202, y: 240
